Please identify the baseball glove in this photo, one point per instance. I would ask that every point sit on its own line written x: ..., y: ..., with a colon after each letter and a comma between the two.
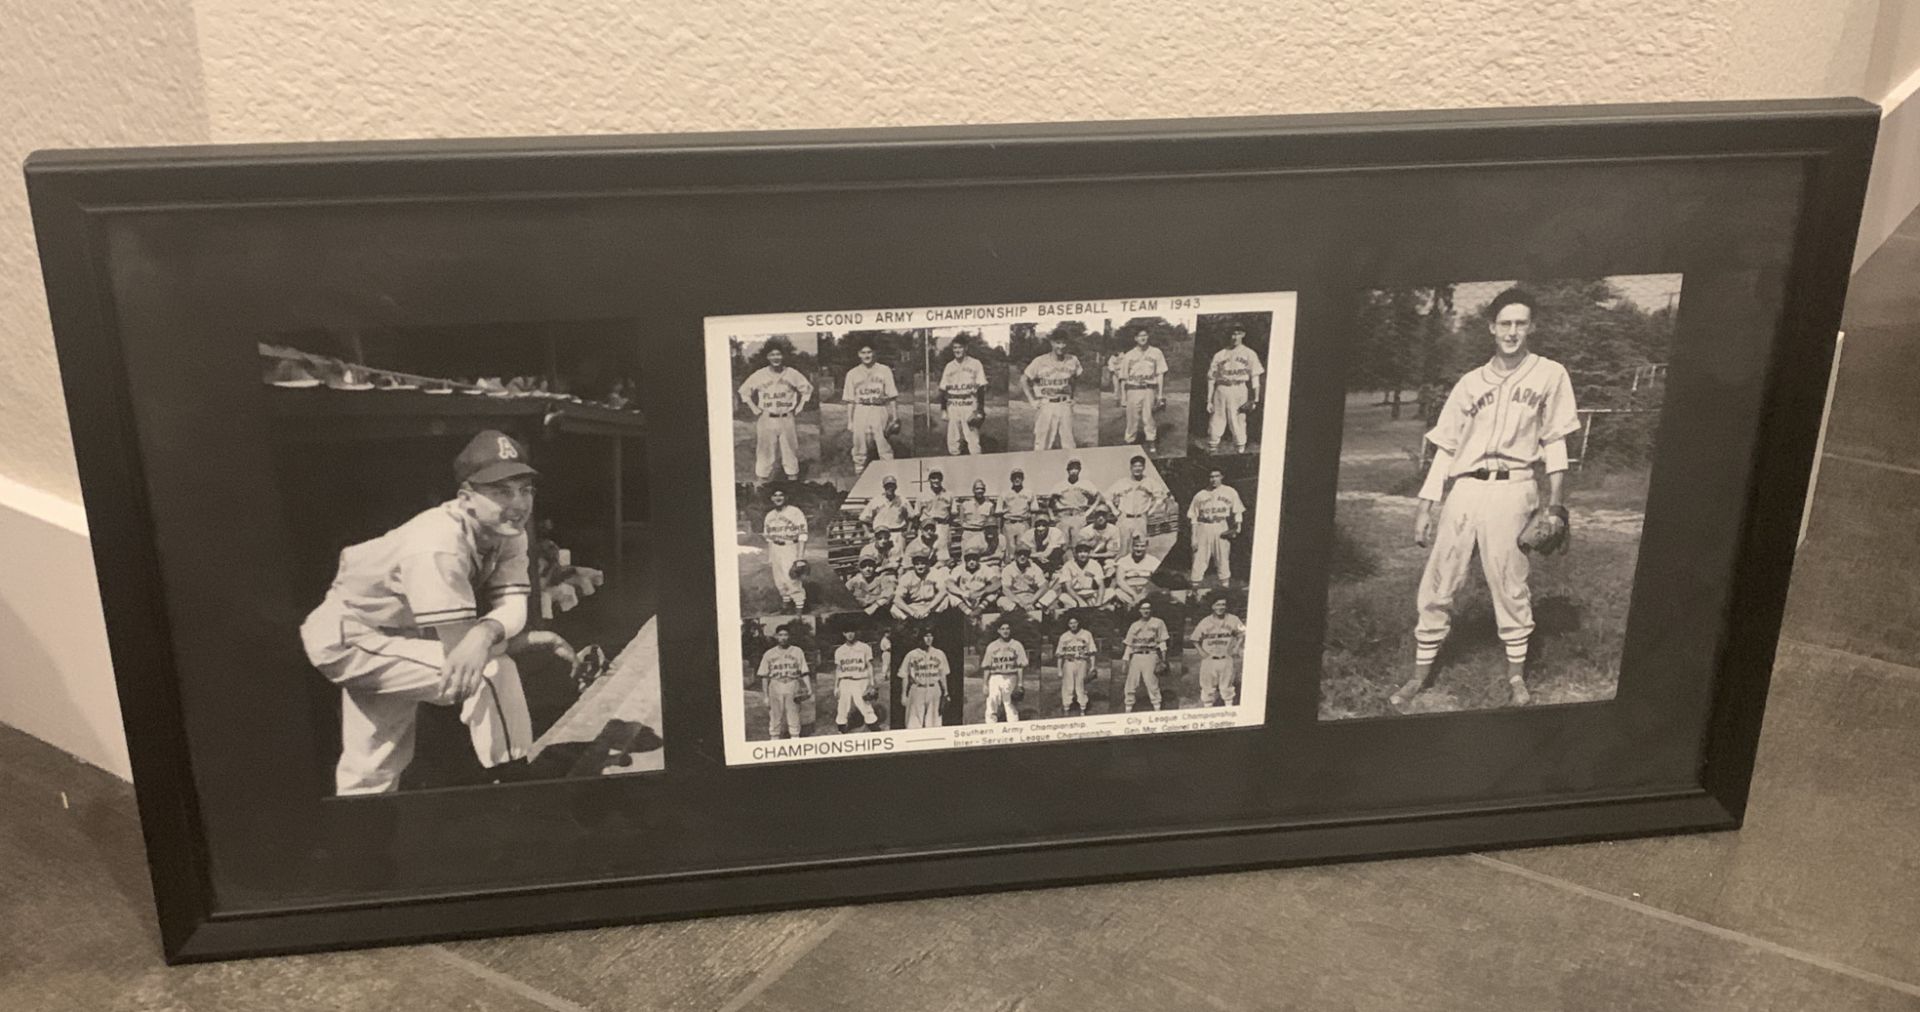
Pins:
x: 798, y: 569
x: 1246, y: 407
x: 871, y: 694
x: 979, y: 414
x: 1230, y: 533
x: 893, y: 427
x: 588, y: 665
x: 1019, y: 694
x: 804, y: 691
x: 1547, y: 531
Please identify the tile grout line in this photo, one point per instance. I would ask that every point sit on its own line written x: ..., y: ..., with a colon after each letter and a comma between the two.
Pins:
x: 787, y: 961
x: 502, y: 981
x: 1869, y: 462
x: 1900, y: 670
x: 1715, y: 930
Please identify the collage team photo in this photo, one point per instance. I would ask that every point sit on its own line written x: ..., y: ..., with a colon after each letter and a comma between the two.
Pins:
x: 1037, y: 517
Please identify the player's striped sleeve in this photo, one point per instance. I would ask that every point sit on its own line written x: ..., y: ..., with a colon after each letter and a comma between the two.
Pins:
x: 437, y: 588
x: 510, y: 575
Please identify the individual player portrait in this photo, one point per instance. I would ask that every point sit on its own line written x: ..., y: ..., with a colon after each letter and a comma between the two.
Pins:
x: 1148, y: 651
x: 1229, y: 381
x: 967, y: 393
x: 776, y: 430
x: 1215, y: 499
x: 1054, y: 384
x: 1148, y: 385
x: 469, y: 603
x: 783, y: 551
x: 780, y: 655
x: 1218, y: 638
x: 872, y: 399
x: 1000, y: 665
x: 1075, y: 665
x: 858, y: 652
x: 1492, y: 490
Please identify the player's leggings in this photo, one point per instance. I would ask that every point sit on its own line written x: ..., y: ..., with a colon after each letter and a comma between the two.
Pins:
x: 776, y: 439
x: 1140, y: 669
x: 1073, y: 683
x: 1488, y: 515
x: 961, y: 430
x: 923, y: 705
x: 851, y: 693
x: 1053, y: 425
x: 868, y: 423
x: 783, y: 708
x: 1216, y: 680
x: 1000, y: 699
x: 780, y: 560
x: 384, y: 679
x: 1137, y: 402
x: 1227, y: 398
x: 1210, y: 549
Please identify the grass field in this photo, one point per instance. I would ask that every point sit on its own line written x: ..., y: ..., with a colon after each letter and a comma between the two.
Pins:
x: 1580, y: 598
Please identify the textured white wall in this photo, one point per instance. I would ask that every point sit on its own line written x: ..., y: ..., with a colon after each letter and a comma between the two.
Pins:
x: 309, y: 69
x: 75, y: 74
x: 115, y: 72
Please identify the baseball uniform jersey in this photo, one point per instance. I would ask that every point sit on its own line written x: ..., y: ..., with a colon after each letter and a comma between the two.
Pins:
x: 1003, y: 661
x: 1231, y: 376
x: 776, y: 396
x: 375, y: 635
x: 1075, y: 653
x: 1052, y: 382
x: 964, y: 381
x: 1212, y: 513
x: 868, y: 392
x: 1141, y: 372
x: 1218, y: 639
x: 1497, y: 426
x: 926, y: 671
x: 785, y: 529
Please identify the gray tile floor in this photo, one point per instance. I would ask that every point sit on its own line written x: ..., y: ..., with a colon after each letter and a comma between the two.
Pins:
x: 1815, y: 905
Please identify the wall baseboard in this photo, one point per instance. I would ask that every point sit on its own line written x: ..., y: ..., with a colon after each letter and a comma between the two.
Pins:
x: 56, y: 682
x: 1893, y: 191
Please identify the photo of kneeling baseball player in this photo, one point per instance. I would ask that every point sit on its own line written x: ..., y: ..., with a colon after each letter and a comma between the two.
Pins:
x: 1492, y: 491
x: 476, y: 587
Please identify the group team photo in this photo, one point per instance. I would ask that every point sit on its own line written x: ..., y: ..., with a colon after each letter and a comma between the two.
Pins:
x: 994, y: 523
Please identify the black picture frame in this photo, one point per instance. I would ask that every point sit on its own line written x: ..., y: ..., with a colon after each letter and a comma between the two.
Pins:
x: 145, y: 307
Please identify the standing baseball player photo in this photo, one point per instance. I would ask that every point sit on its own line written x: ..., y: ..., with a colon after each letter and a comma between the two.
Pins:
x: 476, y: 589
x: 872, y: 399
x: 776, y: 430
x: 1229, y: 379
x: 1074, y: 667
x: 967, y: 396
x: 1219, y: 638
x: 1148, y: 385
x: 780, y: 655
x: 1000, y: 668
x: 1054, y: 384
x: 782, y: 550
x: 1494, y: 469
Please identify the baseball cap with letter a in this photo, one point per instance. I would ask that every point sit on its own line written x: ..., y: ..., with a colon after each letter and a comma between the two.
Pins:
x: 491, y: 456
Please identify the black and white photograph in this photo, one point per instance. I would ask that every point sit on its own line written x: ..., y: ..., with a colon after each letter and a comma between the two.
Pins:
x: 781, y: 656
x: 990, y: 546
x: 1494, y: 466
x: 473, y: 545
x: 967, y: 392
x: 1216, y: 630
x: 873, y: 399
x: 1149, y: 383
x: 1055, y: 378
x: 782, y: 538
x: 1229, y: 368
x: 776, y: 397
x: 1213, y: 499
